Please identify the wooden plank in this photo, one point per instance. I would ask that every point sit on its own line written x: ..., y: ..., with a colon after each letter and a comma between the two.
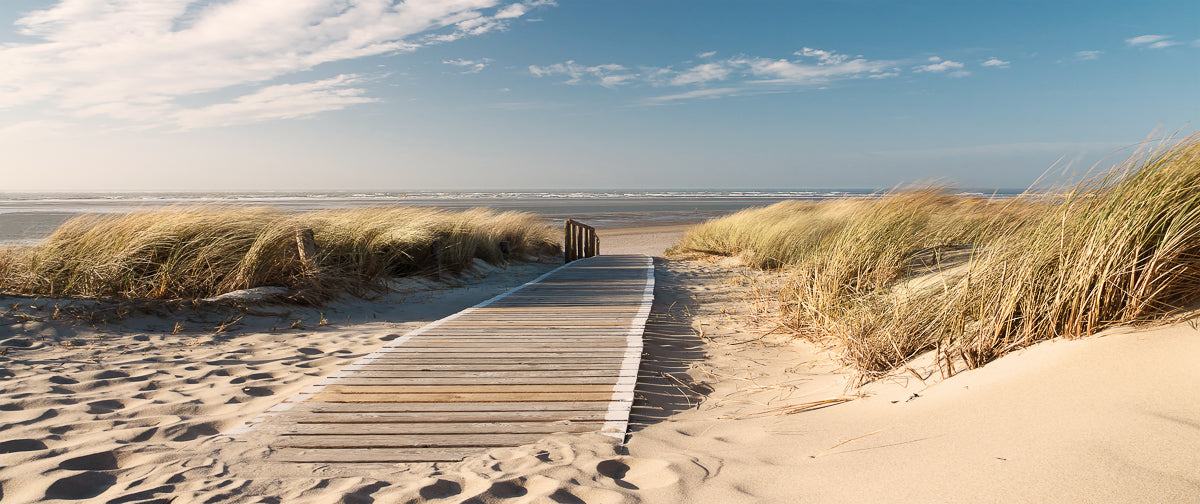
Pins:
x: 333, y: 417
x: 549, y: 324
x: 474, y: 365
x: 376, y: 381
x: 470, y: 374
x: 440, y: 428
x: 520, y: 334
x: 568, y: 407
x: 464, y: 397
x: 469, y: 342
x: 409, y: 441
x: 371, y: 456
x: 488, y: 352
x: 494, y: 361
x: 555, y: 356
x: 464, y: 389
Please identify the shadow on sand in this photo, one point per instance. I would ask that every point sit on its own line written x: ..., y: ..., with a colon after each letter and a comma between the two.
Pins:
x: 670, y: 347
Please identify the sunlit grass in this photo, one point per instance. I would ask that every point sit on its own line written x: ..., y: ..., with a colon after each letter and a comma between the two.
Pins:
x: 1116, y: 249
x: 201, y: 251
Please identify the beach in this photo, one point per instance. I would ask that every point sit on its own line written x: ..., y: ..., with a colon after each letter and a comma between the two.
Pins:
x: 543, y: 252
x: 725, y: 410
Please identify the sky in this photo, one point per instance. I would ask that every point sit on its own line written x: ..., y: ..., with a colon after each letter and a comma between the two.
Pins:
x: 212, y: 95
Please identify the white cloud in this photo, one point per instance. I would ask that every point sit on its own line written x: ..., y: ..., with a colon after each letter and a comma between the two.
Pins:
x: 284, y: 101
x: 512, y: 11
x: 702, y: 73
x: 760, y: 72
x: 938, y: 65
x: 995, y: 62
x: 1088, y: 55
x: 690, y: 95
x: 608, y: 75
x: 139, y: 60
x: 1151, y: 41
x: 469, y: 66
x: 708, y: 54
x: 829, y: 67
x: 747, y: 75
x: 823, y: 57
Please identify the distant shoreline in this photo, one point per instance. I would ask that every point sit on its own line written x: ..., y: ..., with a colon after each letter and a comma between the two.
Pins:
x: 28, y: 217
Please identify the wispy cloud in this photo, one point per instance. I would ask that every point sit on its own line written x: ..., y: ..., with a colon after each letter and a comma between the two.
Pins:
x: 1151, y: 41
x: 707, y: 54
x: 702, y: 73
x: 1088, y: 55
x: 140, y: 61
x: 607, y: 75
x: 744, y: 74
x: 284, y: 101
x: 469, y: 66
x: 698, y: 93
x: 939, y: 65
x: 996, y: 63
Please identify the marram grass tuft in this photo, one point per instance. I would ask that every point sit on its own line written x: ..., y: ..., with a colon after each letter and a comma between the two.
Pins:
x: 201, y: 251
x: 1121, y: 248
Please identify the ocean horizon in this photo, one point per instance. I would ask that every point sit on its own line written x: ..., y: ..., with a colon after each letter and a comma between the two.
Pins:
x: 26, y: 217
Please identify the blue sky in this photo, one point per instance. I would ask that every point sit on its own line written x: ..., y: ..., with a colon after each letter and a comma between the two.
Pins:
x: 540, y: 94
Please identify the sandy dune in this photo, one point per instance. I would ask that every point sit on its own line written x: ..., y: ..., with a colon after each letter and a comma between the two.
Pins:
x: 133, y: 413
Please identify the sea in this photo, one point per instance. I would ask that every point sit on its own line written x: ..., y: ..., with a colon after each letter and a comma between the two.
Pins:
x: 27, y: 217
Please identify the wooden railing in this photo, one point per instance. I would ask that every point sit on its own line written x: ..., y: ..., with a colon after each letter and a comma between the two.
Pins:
x: 579, y: 241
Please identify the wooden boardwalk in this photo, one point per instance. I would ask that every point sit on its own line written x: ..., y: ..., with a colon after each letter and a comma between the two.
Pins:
x: 559, y: 354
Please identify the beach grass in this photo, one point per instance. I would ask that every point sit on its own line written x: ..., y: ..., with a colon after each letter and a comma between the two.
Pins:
x: 201, y: 251
x: 1119, y: 248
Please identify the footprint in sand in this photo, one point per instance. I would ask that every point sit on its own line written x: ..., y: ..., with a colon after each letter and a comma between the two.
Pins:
x: 191, y: 432
x: 216, y: 372
x: 63, y: 380
x: 258, y: 391
x: 21, y: 445
x: 562, y: 496
x: 146, y: 496
x: 636, y: 474
x: 440, y: 489
x: 253, y: 377
x: 84, y: 485
x: 506, y: 490
x: 110, y: 374
x: 310, y: 351
x: 100, y: 461
x: 104, y: 406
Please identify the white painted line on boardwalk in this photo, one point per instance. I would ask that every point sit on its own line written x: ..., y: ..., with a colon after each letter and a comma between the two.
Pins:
x: 621, y: 404
x: 307, y: 393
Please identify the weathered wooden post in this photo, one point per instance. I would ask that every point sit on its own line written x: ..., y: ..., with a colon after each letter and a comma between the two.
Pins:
x: 306, y: 245
x: 505, y: 249
x: 568, y: 241
x: 579, y: 243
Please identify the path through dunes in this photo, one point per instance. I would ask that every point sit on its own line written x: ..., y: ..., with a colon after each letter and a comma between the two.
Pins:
x: 559, y: 354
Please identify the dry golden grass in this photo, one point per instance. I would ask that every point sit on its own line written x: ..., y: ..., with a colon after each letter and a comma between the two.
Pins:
x: 1122, y: 248
x: 201, y: 251
x: 1116, y: 249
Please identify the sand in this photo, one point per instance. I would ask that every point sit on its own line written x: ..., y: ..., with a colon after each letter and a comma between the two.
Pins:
x: 129, y: 412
